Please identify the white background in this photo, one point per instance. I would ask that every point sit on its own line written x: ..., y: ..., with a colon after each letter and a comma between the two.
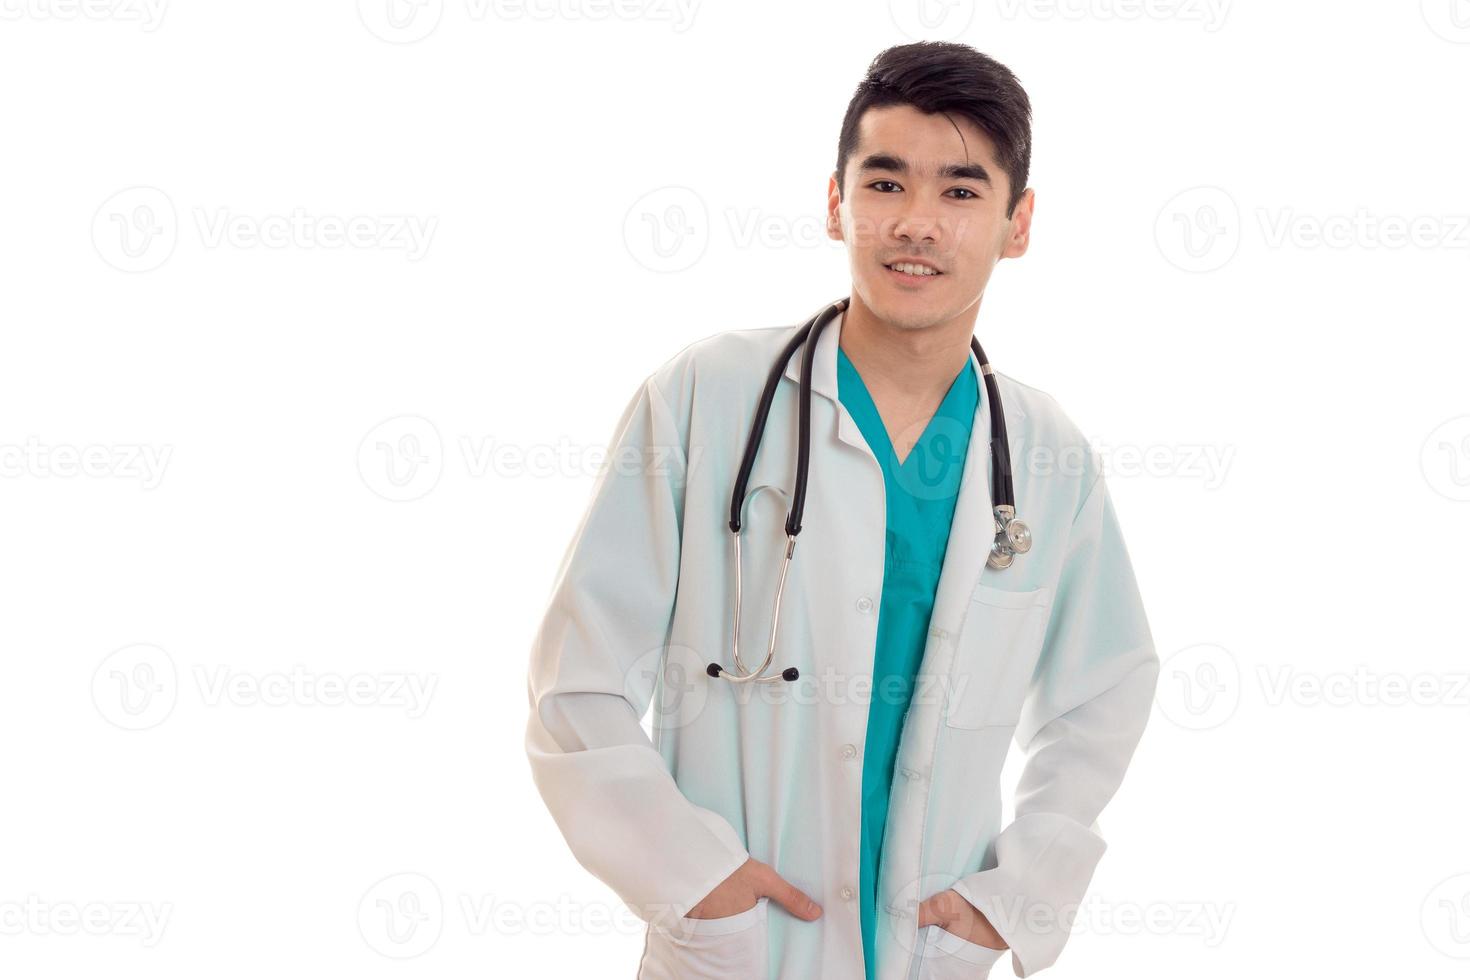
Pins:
x: 367, y: 457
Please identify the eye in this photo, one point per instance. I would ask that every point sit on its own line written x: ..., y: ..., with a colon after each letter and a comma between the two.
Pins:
x: 875, y: 184
x: 966, y: 190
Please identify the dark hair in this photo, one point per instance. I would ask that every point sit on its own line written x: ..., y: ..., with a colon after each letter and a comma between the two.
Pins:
x: 942, y: 76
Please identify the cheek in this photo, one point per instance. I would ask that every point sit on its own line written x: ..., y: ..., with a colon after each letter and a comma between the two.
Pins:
x: 868, y: 227
x: 980, y: 244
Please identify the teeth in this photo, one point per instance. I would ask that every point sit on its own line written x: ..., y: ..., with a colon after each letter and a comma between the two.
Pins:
x: 913, y: 270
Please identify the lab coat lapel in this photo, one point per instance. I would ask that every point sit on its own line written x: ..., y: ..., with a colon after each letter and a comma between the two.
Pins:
x: 972, y: 530
x: 824, y: 381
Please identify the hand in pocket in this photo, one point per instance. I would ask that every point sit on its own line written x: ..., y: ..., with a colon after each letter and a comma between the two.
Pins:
x: 752, y: 880
x: 949, y: 911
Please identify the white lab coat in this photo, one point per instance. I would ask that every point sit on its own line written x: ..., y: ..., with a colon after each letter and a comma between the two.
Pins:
x: 1054, y: 652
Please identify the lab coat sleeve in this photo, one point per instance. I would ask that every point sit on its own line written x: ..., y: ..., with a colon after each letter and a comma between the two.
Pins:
x: 593, y: 664
x: 1084, y: 714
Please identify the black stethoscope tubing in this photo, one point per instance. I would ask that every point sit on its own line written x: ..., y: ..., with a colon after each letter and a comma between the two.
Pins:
x: 1012, y: 536
x: 1002, y: 486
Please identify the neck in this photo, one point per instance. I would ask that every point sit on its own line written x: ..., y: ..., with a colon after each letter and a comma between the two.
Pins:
x: 906, y: 363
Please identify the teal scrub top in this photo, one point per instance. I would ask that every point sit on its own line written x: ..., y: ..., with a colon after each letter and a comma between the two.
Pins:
x: 920, y: 496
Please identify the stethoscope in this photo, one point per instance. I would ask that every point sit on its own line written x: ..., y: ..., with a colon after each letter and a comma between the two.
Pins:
x: 1012, y: 537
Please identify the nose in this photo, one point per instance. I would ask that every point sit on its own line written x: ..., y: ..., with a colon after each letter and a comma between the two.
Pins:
x: 916, y: 222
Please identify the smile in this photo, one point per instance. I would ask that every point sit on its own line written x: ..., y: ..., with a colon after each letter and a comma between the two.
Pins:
x: 912, y: 273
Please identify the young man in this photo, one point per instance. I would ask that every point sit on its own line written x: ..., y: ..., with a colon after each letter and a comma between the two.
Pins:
x: 847, y: 822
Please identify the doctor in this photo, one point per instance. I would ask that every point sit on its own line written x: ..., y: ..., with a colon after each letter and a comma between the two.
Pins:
x: 846, y: 823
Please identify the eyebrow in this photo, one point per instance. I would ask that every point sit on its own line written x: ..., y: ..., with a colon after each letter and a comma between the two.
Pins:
x: 898, y: 165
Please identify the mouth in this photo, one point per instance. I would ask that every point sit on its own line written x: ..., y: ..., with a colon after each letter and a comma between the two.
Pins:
x: 912, y: 273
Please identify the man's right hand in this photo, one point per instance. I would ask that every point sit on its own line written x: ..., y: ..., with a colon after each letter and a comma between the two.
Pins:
x: 751, y: 881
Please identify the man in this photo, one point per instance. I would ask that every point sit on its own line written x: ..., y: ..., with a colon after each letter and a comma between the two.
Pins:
x: 846, y: 823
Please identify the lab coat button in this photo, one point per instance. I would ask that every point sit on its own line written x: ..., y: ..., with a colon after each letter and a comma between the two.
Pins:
x: 865, y: 604
x: 847, y: 894
x: 849, y: 751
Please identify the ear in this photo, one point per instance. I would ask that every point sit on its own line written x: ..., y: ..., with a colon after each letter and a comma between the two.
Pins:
x: 1019, y: 238
x: 834, y: 201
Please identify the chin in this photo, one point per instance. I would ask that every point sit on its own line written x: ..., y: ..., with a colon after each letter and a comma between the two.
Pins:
x: 907, y: 311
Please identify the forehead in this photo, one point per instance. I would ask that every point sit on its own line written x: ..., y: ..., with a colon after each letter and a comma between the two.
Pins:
x: 926, y: 140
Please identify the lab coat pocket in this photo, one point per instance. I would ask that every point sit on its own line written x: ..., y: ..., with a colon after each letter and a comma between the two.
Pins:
x: 995, y: 655
x: 732, y: 947
x: 945, y: 956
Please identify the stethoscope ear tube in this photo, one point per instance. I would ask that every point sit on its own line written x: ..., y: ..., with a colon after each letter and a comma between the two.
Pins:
x: 758, y: 425
x: 1000, y: 448
x: 804, y: 417
x: 813, y: 330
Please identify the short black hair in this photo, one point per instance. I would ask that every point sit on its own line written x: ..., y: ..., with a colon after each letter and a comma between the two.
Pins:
x: 943, y: 76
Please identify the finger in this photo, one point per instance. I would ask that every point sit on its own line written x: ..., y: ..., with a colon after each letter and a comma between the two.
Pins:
x: 939, y: 909
x: 789, y: 897
x: 927, y: 914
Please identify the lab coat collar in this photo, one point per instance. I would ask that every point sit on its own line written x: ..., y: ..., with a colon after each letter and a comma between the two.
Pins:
x: 824, y: 366
x: 972, y: 530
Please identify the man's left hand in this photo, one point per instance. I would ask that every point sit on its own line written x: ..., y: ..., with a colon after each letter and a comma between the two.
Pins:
x: 949, y: 911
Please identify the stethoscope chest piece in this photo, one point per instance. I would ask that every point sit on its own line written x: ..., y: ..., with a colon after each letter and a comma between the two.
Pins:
x: 1012, y: 538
